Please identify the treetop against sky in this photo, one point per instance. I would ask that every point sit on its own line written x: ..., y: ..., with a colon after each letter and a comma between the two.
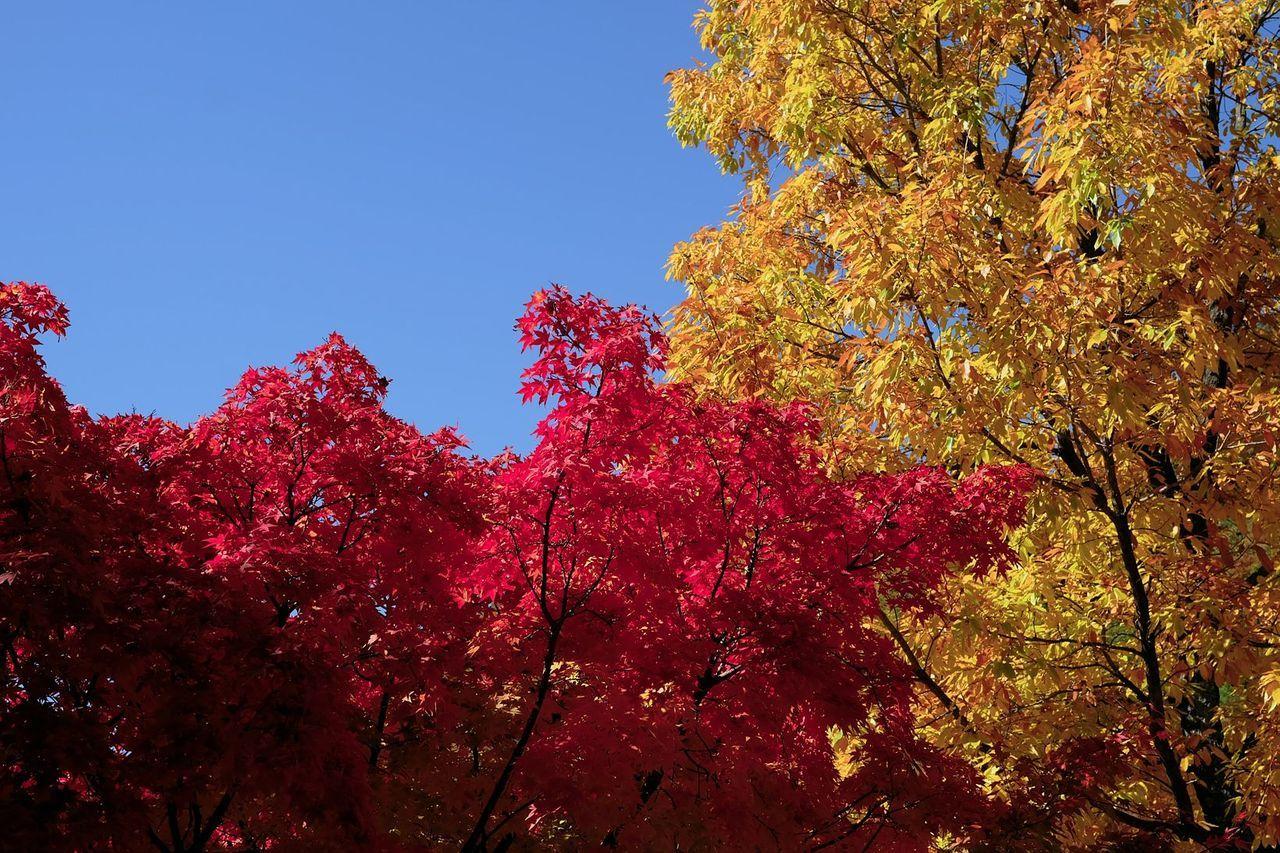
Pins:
x: 939, y: 513
x: 214, y: 188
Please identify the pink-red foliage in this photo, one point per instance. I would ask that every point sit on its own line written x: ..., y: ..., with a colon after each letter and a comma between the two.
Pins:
x: 301, y: 623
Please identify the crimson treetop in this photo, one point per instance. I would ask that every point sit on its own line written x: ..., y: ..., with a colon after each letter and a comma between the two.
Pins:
x: 300, y: 622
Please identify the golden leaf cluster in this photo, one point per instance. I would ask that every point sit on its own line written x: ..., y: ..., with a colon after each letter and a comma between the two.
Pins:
x: 1040, y: 232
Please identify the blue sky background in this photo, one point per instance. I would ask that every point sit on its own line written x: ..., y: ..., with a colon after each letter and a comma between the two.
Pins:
x: 215, y: 185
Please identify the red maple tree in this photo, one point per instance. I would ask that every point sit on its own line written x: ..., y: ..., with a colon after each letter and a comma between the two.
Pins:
x: 301, y: 623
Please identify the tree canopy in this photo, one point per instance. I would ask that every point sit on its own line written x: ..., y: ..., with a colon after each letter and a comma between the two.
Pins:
x: 1041, y: 233
x: 942, y: 514
x: 300, y: 623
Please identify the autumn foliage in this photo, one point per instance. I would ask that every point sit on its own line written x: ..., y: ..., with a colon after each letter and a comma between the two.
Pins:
x: 1041, y: 233
x: 945, y: 519
x: 300, y: 623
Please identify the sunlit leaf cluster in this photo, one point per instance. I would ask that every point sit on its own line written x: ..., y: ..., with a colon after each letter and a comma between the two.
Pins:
x: 1035, y: 232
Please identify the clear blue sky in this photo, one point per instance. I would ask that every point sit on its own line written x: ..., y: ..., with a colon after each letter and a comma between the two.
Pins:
x: 214, y: 185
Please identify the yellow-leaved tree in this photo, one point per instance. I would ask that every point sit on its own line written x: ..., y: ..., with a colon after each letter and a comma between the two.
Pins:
x: 1041, y: 231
